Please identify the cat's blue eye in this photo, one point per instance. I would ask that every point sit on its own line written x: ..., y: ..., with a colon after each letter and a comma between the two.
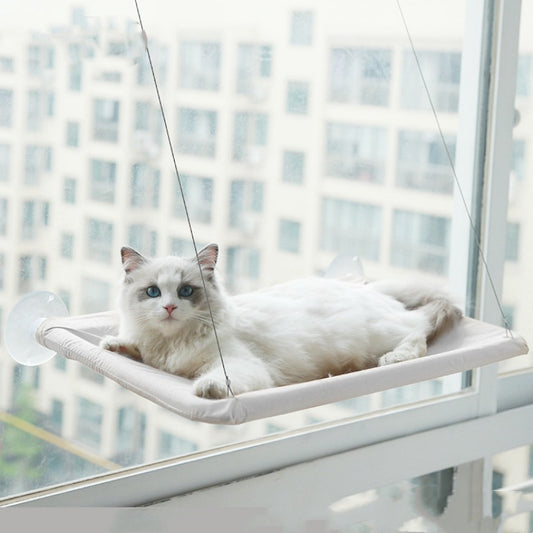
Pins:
x: 153, y: 291
x: 185, y: 291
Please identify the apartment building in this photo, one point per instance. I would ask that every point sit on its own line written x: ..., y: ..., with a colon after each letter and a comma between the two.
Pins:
x: 293, y: 145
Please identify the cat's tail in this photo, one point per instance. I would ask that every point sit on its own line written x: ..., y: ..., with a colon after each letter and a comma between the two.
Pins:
x: 436, y: 303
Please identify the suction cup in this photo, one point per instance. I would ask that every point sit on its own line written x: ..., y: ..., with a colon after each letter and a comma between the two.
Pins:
x: 22, y: 323
x: 344, y: 265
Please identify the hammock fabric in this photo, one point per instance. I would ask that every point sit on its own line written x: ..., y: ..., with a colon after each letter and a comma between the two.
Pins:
x: 468, y: 345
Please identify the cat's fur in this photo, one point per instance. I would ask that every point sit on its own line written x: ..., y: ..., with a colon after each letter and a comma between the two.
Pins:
x: 292, y: 332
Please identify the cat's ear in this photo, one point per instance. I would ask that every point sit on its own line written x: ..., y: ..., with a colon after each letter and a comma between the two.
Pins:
x: 207, y: 257
x: 131, y: 260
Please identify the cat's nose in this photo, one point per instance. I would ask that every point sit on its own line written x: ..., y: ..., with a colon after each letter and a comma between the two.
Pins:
x: 169, y: 308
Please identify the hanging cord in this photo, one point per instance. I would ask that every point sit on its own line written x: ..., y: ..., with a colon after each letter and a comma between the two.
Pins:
x: 456, y: 178
x: 167, y: 132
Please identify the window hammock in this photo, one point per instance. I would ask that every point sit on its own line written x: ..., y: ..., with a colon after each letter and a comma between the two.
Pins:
x: 469, y: 344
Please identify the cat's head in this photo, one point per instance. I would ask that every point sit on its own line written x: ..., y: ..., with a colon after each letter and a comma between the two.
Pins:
x: 167, y: 294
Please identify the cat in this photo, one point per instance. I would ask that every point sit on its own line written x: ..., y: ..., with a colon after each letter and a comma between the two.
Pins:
x: 292, y: 332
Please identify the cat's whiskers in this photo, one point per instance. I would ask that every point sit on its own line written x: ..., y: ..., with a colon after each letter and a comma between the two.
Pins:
x: 204, y: 317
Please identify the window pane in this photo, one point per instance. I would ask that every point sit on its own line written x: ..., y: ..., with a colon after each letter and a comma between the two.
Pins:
x: 199, y: 65
x: 302, y: 28
x: 356, y: 152
x: 299, y: 134
x: 360, y: 76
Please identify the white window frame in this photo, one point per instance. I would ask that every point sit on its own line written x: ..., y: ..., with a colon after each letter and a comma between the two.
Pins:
x: 484, y: 108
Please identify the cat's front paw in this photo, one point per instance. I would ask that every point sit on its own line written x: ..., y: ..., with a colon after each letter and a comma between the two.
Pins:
x: 115, y: 344
x: 210, y: 388
x: 110, y: 343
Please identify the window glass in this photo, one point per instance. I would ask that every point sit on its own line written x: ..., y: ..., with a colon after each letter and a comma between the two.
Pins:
x: 360, y: 76
x: 200, y: 65
x: 356, y: 152
x: 197, y: 130
x: 298, y: 134
x: 106, y: 119
x: 301, y: 28
x: 297, y: 97
x: 289, y: 235
x: 441, y: 70
x: 293, y: 166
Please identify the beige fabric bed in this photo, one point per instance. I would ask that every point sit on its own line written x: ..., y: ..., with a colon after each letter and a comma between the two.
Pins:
x: 469, y: 345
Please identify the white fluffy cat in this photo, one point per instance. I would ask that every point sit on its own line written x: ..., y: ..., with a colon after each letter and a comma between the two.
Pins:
x: 292, y: 332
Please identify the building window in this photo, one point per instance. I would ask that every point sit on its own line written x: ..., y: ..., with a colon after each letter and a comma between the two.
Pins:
x: 25, y: 273
x: 148, y: 126
x: 75, y: 76
x: 103, y: 181
x: 89, y: 422
x: 420, y: 242
x: 523, y: 76
x: 6, y: 107
x: 289, y: 236
x: 246, y: 203
x: 442, y: 71
x: 29, y: 219
x: 242, y: 264
x: 198, y: 193
x: 60, y: 363
x: 159, y: 55
x: 100, y: 241
x: 297, y: 97
x: 184, y: 247
x: 250, y: 136
x: 131, y: 431
x: 4, y: 205
x: 37, y: 160
x: 50, y: 104
x: 509, y: 313
x: 36, y: 59
x: 254, y: 68
x: 42, y: 268
x: 34, y: 110
x: 360, y: 76
x: 423, y: 162
x: 351, y: 227
x: 145, y: 184
x: 94, y: 295
x: 2, y: 274
x: 199, y: 66
x: 173, y: 446
x: 7, y: 64
x: 73, y: 134
x: 69, y: 190
x: 67, y: 245
x: 56, y: 415
x: 512, y: 241
x: 519, y: 159
x: 5, y: 161
x: 142, y: 239
x: 356, y: 152
x: 197, y: 132
x: 293, y: 167
x: 106, y: 119
x: 301, y: 31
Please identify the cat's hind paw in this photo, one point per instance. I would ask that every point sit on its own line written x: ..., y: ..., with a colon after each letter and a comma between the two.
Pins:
x: 210, y: 388
x: 397, y: 356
